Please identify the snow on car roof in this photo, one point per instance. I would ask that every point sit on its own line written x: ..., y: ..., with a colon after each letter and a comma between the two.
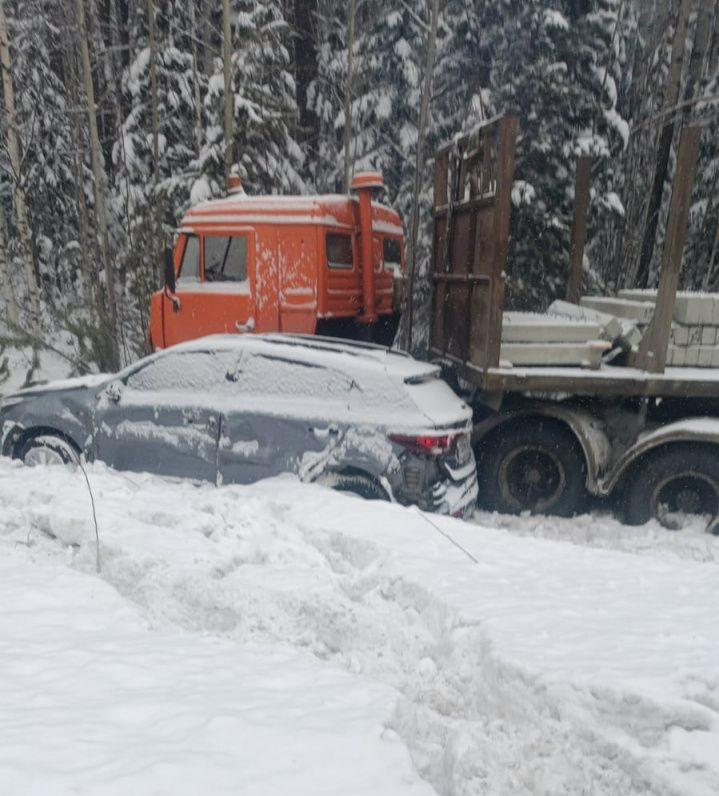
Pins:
x: 327, y: 351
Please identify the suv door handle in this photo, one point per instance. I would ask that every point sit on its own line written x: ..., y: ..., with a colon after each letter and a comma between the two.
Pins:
x: 328, y: 431
x: 189, y: 416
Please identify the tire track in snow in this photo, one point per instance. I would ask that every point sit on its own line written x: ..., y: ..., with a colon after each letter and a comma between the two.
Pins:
x: 474, y: 722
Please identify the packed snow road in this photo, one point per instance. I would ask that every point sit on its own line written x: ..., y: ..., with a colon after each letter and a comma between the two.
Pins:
x: 283, y: 638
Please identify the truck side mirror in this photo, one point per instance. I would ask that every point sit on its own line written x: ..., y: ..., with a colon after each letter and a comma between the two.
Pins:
x: 169, y: 271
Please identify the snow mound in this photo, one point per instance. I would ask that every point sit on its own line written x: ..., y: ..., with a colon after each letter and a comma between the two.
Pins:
x: 543, y: 668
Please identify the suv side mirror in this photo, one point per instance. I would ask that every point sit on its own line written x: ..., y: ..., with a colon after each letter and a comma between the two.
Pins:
x: 169, y: 271
x: 113, y: 391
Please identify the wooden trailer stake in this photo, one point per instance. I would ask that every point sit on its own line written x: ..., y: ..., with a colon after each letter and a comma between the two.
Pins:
x: 652, y: 355
x: 579, y: 228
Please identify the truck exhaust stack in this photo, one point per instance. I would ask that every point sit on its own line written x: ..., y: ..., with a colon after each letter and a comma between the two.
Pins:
x: 363, y: 184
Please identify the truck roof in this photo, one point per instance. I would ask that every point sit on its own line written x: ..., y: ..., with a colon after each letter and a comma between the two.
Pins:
x: 332, y: 210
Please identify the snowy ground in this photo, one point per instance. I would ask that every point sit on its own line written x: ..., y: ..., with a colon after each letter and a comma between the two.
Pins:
x: 281, y: 638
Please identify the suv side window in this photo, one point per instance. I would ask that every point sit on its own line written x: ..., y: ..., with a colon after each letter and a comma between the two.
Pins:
x: 187, y: 371
x: 258, y: 374
x: 190, y: 266
x: 339, y: 251
x: 225, y: 258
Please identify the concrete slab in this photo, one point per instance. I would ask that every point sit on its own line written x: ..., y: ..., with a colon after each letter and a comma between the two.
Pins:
x: 588, y: 355
x: 531, y: 327
x: 641, y: 311
x: 615, y: 329
x: 691, y: 307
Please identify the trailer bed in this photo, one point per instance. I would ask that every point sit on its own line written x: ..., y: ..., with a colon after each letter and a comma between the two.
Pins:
x: 608, y: 380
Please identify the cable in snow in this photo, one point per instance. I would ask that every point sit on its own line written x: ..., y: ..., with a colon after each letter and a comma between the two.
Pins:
x: 447, y: 536
x: 94, y: 514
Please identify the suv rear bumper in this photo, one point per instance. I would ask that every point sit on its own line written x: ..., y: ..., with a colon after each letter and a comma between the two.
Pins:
x: 457, y: 493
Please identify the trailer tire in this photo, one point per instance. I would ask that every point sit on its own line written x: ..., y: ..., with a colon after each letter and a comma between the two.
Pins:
x: 535, y: 466
x: 678, y: 479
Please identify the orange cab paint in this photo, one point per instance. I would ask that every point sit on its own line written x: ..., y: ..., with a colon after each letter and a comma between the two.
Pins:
x: 289, y: 264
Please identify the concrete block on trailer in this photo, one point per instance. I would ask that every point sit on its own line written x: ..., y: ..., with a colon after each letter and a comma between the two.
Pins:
x: 679, y: 334
x: 587, y: 355
x: 615, y: 329
x: 532, y: 327
x: 639, y: 311
x: 692, y: 308
x: 709, y: 335
x: 705, y: 356
x: 676, y: 356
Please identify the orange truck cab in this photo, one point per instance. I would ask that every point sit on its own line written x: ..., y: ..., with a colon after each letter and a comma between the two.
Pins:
x: 288, y: 264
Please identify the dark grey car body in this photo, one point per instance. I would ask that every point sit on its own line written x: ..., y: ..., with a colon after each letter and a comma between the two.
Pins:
x: 235, y: 409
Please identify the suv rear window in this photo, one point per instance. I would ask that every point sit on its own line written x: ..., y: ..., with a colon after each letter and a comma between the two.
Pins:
x: 339, y: 251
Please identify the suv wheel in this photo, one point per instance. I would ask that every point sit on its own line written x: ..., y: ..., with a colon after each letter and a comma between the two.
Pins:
x: 358, y: 484
x: 48, y: 449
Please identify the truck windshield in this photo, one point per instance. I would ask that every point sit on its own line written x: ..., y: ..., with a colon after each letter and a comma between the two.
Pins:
x: 225, y: 258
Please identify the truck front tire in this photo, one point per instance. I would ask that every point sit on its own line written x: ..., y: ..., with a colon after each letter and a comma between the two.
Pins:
x: 680, y: 479
x: 534, y: 465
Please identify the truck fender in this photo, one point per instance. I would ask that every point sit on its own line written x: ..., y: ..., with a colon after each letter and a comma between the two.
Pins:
x: 586, y: 428
x: 692, y: 429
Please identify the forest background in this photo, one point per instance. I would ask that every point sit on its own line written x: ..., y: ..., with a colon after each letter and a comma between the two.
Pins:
x: 117, y: 115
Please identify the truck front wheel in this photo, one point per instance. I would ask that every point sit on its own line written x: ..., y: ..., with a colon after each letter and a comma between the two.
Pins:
x: 675, y: 481
x: 534, y: 466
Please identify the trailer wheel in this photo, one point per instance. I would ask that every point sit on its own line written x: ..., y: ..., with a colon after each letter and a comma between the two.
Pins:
x: 677, y: 480
x: 537, y: 467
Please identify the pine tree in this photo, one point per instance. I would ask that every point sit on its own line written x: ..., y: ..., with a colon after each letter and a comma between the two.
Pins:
x: 551, y: 68
x: 265, y: 109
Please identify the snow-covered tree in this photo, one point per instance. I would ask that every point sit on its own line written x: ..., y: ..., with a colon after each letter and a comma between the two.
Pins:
x: 265, y: 109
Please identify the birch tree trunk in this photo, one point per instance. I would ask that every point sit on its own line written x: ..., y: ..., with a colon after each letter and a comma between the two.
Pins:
x: 349, y: 80
x: 195, y: 80
x: 665, y: 145
x: 229, y: 97
x: 7, y: 289
x: 100, y: 209
x: 419, y: 163
x: 89, y: 283
x: 13, y: 145
x: 156, y: 209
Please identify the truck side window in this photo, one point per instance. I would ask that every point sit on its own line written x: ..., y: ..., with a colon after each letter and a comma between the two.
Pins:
x: 225, y: 258
x: 392, y: 255
x: 190, y: 267
x: 339, y: 251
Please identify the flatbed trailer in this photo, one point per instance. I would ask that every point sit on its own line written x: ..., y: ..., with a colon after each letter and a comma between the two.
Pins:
x: 547, y: 436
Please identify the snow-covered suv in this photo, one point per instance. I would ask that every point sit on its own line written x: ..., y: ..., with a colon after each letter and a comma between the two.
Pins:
x: 235, y: 409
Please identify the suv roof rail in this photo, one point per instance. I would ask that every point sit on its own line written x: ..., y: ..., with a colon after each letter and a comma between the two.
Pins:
x: 330, y: 343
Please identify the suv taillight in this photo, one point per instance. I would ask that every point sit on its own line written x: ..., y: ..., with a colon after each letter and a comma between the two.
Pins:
x: 428, y: 444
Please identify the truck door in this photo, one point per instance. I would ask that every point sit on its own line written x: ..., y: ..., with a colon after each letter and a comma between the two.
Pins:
x: 213, y: 285
x: 298, y: 280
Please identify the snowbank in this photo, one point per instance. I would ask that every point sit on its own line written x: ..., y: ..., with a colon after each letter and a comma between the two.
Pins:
x: 542, y: 668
